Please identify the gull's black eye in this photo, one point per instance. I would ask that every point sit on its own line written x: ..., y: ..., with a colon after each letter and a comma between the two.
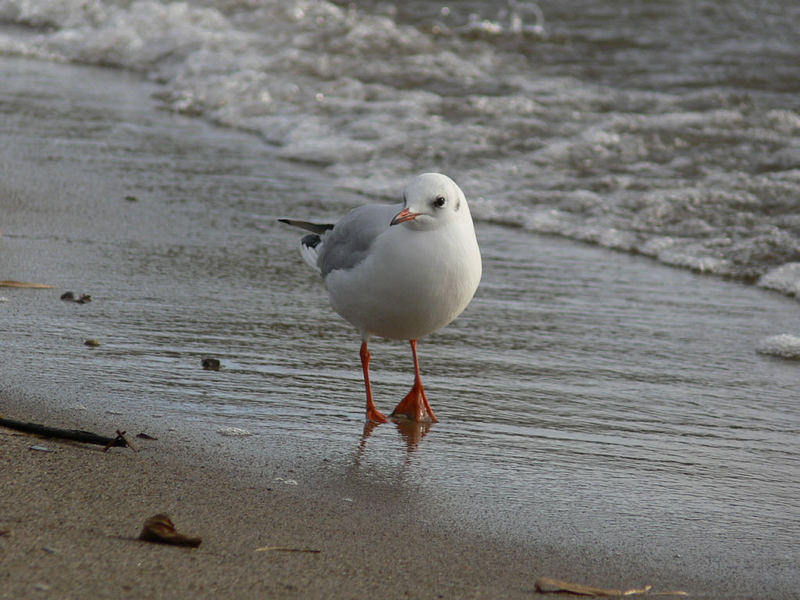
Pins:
x: 440, y: 201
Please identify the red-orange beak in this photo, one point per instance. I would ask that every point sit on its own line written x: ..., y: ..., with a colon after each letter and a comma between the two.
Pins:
x: 403, y: 216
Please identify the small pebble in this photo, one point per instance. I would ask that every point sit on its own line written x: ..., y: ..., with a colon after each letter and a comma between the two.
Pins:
x: 42, y: 449
x: 211, y: 364
x: 286, y: 481
x: 70, y: 297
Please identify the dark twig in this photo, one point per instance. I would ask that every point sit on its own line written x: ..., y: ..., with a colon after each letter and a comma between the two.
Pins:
x: 120, y: 437
x: 75, y: 435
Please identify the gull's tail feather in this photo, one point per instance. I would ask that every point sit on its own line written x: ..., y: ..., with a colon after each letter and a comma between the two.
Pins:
x: 309, y: 249
x: 310, y: 244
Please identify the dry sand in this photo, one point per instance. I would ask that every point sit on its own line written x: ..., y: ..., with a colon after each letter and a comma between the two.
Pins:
x: 70, y: 519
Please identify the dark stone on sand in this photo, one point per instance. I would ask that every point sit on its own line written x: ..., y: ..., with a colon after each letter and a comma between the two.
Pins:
x: 70, y: 297
x: 211, y: 364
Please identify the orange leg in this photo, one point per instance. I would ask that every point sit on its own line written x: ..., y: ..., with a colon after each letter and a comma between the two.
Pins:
x: 373, y: 414
x: 415, y: 405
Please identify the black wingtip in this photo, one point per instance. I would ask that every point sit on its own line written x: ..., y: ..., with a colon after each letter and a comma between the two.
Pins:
x: 318, y: 228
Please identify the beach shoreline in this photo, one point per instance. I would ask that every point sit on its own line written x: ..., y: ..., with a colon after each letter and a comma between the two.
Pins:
x: 71, y: 514
x: 603, y: 419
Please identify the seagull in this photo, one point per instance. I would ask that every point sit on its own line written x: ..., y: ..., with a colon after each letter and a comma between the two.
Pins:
x: 399, y: 272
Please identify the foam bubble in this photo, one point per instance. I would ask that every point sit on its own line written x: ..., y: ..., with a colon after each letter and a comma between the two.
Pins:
x: 784, y: 279
x: 782, y: 346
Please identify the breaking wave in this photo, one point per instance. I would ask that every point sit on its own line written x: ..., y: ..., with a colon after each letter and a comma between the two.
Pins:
x: 548, y: 124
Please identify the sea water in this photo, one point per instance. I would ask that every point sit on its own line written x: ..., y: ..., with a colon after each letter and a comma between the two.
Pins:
x: 590, y: 397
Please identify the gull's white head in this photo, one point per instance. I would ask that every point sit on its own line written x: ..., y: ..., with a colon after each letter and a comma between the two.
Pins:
x: 432, y: 200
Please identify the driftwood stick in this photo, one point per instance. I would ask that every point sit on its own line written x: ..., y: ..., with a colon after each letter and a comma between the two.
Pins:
x: 547, y: 585
x: 24, y: 284
x: 126, y: 440
x: 75, y: 435
x: 120, y: 437
x: 286, y: 549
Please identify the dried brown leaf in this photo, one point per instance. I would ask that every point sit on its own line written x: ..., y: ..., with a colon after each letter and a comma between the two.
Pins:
x: 159, y: 528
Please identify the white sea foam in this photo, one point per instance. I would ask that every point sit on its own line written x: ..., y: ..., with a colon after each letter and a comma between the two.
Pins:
x: 782, y: 346
x: 784, y: 279
x: 705, y: 179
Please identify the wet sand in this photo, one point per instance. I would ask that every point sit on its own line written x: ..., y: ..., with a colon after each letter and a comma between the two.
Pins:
x: 70, y: 518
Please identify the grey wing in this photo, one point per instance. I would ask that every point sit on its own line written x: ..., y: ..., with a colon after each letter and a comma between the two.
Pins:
x: 348, y: 243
